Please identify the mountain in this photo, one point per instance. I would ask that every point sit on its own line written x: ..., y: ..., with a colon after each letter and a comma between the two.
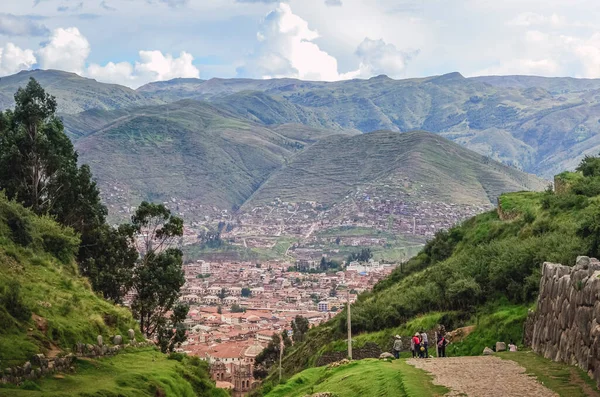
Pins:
x: 74, y: 93
x: 190, y: 150
x: 423, y: 165
x: 541, y: 125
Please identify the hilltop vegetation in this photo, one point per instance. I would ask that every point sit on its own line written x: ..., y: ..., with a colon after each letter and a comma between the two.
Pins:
x: 419, y: 164
x: 40, y: 289
x: 483, y: 272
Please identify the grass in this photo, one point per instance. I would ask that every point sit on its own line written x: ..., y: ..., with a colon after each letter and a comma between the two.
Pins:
x: 66, y: 309
x: 362, y: 378
x: 565, y: 380
x: 144, y: 372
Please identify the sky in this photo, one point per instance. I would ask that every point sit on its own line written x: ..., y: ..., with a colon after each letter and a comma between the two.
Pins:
x: 134, y: 42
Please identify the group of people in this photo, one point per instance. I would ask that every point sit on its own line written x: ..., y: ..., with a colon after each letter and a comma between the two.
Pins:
x: 419, y: 345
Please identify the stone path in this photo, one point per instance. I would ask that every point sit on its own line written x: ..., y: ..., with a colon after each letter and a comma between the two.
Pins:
x: 482, y: 377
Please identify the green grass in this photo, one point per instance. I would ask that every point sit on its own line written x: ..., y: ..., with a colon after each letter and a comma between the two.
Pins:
x: 565, y: 380
x: 362, y: 378
x: 68, y: 310
x: 144, y: 372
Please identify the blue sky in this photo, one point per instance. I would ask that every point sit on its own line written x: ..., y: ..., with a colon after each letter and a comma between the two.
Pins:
x: 133, y: 42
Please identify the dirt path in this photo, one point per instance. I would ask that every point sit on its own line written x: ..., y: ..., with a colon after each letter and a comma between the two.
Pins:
x: 482, y: 377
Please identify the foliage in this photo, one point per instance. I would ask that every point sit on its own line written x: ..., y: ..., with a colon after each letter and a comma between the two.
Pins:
x: 235, y: 308
x: 172, y: 333
x: 246, y: 292
x: 363, y: 256
x: 589, y: 166
x: 300, y: 327
x: 158, y: 275
x: 139, y: 373
x: 12, y: 300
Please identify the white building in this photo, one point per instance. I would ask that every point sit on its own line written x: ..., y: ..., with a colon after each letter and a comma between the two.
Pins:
x: 323, y: 306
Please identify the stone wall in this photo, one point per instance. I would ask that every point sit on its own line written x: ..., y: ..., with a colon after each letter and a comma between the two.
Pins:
x: 565, y: 326
x: 369, y: 350
x: 40, y: 365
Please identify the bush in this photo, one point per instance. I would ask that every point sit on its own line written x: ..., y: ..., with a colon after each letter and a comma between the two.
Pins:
x: 12, y: 301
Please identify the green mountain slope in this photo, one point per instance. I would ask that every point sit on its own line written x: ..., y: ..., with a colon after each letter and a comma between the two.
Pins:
x: 74, y: 93
x: 190, y: 150
x: 484, y: 272
x: 46, y: 307
x: 425, y: 165
x: 538, y: 124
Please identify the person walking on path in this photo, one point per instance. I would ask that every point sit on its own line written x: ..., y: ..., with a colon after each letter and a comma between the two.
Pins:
x: 416, y: 344
x: 425, y: 343
x: 397, y: 346
x: 442, y: 342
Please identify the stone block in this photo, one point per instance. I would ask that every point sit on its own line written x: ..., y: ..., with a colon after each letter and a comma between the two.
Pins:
x: 117, y: 340
x: 500, y: 346
x: 487, y: 351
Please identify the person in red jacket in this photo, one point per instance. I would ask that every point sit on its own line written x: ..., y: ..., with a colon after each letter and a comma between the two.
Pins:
x: 416, y: 342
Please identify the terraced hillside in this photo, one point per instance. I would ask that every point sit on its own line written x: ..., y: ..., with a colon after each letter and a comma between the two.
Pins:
x: 423, y: 165
x: 188, y: 149
x: 542, y: 125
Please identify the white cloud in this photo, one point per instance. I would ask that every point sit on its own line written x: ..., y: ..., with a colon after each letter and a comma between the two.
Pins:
x: 14, y: 59
x: 18, y: 25
x: 532, y: 67
x: 66, y: 50
x: 377, y: 57
x: 533, y: 19
x: 152, y: 66
x: 286, y: 48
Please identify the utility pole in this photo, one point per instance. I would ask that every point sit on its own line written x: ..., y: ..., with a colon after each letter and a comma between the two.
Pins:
x: 349, y: 329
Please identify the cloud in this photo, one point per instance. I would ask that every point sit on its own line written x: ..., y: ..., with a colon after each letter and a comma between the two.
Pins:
x: 333, y: 3
x: 66, y: 50
x: 107, y: 7
x: 16, y: 25
x: 74, y: 8
x: 14, y: 59
x: 378, y: 57
x: 170, y: 3
x: 152, y: 66
x: 285, y: 49
x: 533, y: 19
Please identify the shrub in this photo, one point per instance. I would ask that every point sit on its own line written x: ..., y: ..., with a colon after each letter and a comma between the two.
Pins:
x: 12, y: 301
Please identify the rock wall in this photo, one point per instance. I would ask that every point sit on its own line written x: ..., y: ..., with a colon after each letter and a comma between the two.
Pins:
x: 369, y: 350
x: 565, y: 326
x: 40, y: 365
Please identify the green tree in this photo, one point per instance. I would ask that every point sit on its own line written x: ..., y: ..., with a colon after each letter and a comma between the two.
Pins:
x: 300, y: 326
x: 246, y: 292
x: 589, y: 166
x: 172, y: 333
x: 38, y: 168
x: 235, y: 308
x: 589, y: 230
x: 107, y: 257
x: 158, y: 275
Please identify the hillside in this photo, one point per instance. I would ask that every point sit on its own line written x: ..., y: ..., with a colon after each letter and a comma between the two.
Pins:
x: 190, y: 150
x: 46, y: 307
x: 543, y: 125
x: 484, y: 273
x: 74, y: 93
x: 421, y: 165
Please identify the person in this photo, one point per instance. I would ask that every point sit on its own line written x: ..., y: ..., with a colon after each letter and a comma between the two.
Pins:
x: 397, y: 346
x: 412, y: 347
x: 425, y: 343
x: 512, y: 347
x: 442, y: 342
x: 416, y: 343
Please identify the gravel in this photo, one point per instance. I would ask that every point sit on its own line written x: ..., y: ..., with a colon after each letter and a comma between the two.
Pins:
x: 482, y: 377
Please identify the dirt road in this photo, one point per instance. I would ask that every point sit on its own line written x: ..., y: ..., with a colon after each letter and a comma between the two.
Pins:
x: 482, y: 377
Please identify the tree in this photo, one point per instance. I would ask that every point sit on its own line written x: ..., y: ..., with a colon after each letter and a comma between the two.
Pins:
x: 300, y: 326
x: 235, y: 308
x: 172, y: 333
x: 222, y: 294
x: 589, y: 166
x: 246, y: 292
x: 158, y: 275
x: 38, y: 168
x: 323, y: 264
x: 219, y: 309
x: 107, y: 257
x: 589, y: 230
